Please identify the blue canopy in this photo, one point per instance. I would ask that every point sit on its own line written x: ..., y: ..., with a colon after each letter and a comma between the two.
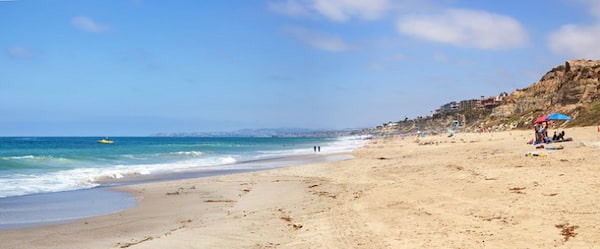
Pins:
x: 558, y: 116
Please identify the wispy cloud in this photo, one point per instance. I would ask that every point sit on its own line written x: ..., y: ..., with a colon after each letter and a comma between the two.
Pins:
x: 290, y: 8
x: 466, y: 28
x: 318, y: 40
x: 88, y: 24
x: 342, y: 10
x: 577, y: 41
x: 580, y: 41
x: 593, y: 6
x: 20, y: 52
x: 336, y: 10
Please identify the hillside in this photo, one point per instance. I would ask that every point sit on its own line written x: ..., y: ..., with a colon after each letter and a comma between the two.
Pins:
x: 572, y: 88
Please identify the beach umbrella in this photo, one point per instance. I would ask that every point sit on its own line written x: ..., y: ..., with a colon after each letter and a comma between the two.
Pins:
x: 558, y: 116
x: 541, y: 119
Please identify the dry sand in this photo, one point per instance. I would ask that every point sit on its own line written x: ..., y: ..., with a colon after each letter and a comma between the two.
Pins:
x: 470, y: 191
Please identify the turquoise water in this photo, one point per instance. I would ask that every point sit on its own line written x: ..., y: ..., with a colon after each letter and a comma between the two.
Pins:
x: 53, y: 164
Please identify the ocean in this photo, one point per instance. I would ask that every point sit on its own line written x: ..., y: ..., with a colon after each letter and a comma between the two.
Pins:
x: 34, y: 165
x: 52, y: 180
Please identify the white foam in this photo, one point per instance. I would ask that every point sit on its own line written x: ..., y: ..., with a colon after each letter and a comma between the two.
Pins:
x: 188, y: 153
x: 83, y: 178
x: 345, y: 144
x: 338, y: 145
x: 18, y: 157
x: 46, y: 160
x: 228, y: 160
x: 88, y: 177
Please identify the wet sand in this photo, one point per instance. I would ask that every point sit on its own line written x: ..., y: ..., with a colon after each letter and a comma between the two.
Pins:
x: 469, y: 191
x: 63, y: 207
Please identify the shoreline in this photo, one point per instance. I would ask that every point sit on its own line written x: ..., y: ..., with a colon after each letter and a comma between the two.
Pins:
x: 469, y: 191
x: 39, y: 210
x: 18, y: 212
x: 43, y: 165
x: 226, y: 169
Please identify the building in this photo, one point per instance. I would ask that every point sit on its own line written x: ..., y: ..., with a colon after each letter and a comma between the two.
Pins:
x: 492, y: 102
x: 488, y: 103
x: 448, y: 108
x: 470, y: 104
x: 502, y: 96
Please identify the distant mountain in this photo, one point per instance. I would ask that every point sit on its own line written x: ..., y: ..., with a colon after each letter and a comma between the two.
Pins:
x: 277, y: 132
x: 572, y: 88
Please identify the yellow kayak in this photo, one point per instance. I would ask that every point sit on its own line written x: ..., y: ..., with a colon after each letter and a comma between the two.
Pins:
x: 105, y: 141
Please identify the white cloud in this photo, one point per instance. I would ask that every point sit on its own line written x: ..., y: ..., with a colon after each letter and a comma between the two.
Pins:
x: 318, y: 40
x: 336, y: 10
x: 88, y: 24
x: 576, y: 41
x: 20, y: 52
x: 466, y: 28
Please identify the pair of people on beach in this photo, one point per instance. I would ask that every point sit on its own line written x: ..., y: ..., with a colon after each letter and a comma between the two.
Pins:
x: 317, y: 148
x: 559, y: 137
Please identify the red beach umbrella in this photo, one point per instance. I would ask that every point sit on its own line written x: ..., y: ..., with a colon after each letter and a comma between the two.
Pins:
x: 541, y: 119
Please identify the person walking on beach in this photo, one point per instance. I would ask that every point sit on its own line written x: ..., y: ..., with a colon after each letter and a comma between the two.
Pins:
x: 319, y: 148
x: 315, y: 148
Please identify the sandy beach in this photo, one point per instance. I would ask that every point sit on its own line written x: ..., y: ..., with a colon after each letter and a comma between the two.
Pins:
x: 468, y: 191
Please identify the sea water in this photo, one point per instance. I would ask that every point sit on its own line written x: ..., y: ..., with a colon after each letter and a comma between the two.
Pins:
x: 33, y: 165
x: 49, y: 180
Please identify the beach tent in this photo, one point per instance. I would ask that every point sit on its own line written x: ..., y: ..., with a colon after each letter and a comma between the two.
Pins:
x: 541, y: 119
x: 557, y: 116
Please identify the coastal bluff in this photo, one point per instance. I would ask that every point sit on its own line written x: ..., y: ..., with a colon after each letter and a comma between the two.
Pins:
x: 572, y: 88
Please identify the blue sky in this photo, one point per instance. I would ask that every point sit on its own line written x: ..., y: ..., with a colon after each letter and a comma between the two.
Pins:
x: 137, y: 67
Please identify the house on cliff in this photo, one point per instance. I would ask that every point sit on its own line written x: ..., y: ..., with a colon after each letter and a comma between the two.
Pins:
x: 465, y: 105
x: 448, y: 108
x: 468, y: 104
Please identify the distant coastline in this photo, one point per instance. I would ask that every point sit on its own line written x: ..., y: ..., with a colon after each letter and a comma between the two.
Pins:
x: 266, y: 132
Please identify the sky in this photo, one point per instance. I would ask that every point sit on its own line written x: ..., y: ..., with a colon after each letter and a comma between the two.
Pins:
x: 138, y: 67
